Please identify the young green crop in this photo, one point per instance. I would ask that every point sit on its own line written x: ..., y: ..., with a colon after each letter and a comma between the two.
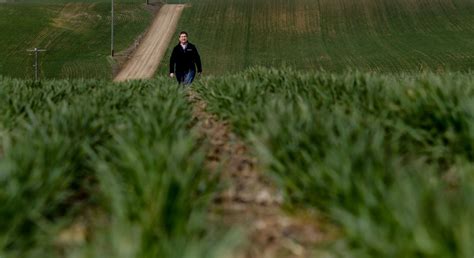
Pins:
x: 370, y: 35
x: 389, y: 158
x: 120, y: 158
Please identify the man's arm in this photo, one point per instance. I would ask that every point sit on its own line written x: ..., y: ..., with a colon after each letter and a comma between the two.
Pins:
x: 172, y: 62
x: 197, y: 59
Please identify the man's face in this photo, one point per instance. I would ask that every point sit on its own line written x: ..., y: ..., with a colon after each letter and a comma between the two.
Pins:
x: 183, y: 38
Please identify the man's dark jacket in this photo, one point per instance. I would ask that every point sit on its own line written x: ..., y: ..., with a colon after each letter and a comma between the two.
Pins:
x: 185, y: 59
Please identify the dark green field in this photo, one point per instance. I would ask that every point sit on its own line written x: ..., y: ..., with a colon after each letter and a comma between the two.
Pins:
x: 75, y: 33
x: 389, y: 158
x: 384, y: 155
x: 370, y: 35
x: 335, y: 35
x: 90, y: 168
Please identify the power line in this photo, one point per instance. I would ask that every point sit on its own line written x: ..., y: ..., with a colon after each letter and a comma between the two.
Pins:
x: 36, y: 65
x: 112, y: 32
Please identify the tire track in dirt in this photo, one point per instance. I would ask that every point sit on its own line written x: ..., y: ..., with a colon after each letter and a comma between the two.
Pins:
x: 250, y: 201
x: 151, y: 50
x: 71, y: 17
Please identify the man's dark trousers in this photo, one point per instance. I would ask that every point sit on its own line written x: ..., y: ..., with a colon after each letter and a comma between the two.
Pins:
x: 185, y: 77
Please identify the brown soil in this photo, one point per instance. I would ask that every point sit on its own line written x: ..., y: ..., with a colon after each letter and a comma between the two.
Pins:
x: 150, y: 51
x: 251, y: 201
x: 72, y: 16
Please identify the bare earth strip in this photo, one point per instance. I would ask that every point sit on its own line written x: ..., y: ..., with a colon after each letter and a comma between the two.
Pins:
x: 147, y: 57
x: 71, y: 17
x: 250, y: 201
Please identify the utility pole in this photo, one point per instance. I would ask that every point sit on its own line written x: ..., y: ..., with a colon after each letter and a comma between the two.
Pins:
x: 112, y: 32
x: 36, y: 65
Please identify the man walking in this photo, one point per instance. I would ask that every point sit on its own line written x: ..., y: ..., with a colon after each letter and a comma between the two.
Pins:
x: 184, y: 60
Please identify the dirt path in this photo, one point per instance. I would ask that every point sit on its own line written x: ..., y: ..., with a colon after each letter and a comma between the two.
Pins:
x: 251, y: 201
x: 147, y: 57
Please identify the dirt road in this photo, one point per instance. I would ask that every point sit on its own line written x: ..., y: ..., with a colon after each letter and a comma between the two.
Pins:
x: 151, y: 50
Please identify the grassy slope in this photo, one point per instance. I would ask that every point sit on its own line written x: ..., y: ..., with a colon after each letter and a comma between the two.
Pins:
x: 78, y: 44
x: 370, y: 35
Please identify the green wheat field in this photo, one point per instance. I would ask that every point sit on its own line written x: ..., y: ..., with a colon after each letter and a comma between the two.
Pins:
x: 359, y: 110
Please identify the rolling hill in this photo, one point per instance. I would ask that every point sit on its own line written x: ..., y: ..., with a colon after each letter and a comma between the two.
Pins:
x: 369, y: 35
x: 76, y: 35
